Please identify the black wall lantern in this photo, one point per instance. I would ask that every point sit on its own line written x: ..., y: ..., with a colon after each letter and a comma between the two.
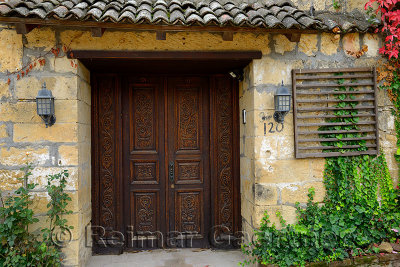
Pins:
x: 282, y: 103
x: 45, y: 106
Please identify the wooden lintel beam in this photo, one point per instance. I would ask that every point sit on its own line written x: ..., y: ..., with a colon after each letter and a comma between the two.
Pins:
x: 227, y: 36
x: 166, y: 55
x: 293, y: 37
x: 23, y: 28
x: 161, y: 35
x: 97, y: 31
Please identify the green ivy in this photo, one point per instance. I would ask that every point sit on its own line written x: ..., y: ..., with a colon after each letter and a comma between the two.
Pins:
x: 348, y: 115
x: 360, y: 209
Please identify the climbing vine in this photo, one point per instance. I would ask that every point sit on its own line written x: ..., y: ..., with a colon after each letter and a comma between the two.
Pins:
x: 345, y: 114
x: 360, y: 209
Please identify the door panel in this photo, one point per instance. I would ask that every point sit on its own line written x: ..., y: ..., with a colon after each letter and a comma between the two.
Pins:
x: 188, y: 153
x: 143, y: 109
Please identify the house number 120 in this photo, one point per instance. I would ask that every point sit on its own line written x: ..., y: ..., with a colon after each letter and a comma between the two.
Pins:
x: 278, y: 127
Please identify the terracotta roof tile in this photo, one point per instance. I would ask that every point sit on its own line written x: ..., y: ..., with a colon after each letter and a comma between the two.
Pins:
x: 266, y: 13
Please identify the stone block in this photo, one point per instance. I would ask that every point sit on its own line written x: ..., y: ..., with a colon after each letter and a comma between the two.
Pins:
x: 59, y: 132
x: 383, y: 98
x: 3, y: 131
x: 13, y: 156
x: 10, y: 179
x: 84, y: 150
x: 4, y: 89
x: 11, y: 52
x: 41, y: 38
x: 329, y: 43
x: 273, y: 71
x: 292, y: 193
x: 249, y: 147
x: 266, y: 147
x: 84, y: 133
x: 71, y: 253
x: 351, y: 44
x: 84, y: 91
x: 65, y: 65
x: 282, y: 171
x: 66, y: 110
x: 40, y: 176
x: 264, y: 97
x: 68, y: 155
x: 62, y: 87
x: 245, y: 168
x: 386, y: 121
x: 372, y: 41
x: 265, y: 194
x: 317, y: 168
x: 84, y: 113
x: 288, y: 214
x: 308, y: 44
x: 282, y: 44
x: 247, y: 210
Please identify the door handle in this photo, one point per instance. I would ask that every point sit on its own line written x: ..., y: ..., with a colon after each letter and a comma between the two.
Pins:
x: 171, y: 171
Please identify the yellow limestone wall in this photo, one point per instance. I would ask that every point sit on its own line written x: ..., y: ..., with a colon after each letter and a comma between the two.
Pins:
x: 271, y: 178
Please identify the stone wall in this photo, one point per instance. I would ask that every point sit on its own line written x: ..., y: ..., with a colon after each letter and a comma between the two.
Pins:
x: 271, y: 178
x: 65, y: 145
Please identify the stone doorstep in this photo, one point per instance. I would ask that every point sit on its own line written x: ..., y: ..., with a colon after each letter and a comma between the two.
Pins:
x: 357, y: 261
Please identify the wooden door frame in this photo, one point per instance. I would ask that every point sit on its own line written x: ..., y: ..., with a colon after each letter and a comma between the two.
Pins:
x: 118, y: 203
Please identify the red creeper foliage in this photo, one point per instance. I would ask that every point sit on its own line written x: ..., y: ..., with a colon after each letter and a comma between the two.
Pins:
x: 389, y: 12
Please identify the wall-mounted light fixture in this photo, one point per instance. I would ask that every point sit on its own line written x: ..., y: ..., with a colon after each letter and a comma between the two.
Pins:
x: 45, y: 106
x: 237, y: 74
x: 282, y: 103
x: 244, y: 114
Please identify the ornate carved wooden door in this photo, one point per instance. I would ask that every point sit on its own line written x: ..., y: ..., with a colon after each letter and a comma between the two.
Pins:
x: 165, y: 161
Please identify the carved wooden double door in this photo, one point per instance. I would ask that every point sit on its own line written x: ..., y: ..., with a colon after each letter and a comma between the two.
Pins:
x: 165, y: 160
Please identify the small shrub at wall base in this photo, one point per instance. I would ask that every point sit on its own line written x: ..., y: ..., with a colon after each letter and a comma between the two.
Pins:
x: 360, y: 209
x: 20, y: 247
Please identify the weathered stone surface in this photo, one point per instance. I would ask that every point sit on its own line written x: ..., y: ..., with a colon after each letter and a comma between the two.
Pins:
x: 329, y: 43
x: 288, y: 213
x: 308, y: 44
x: 292, y: 193
x: 372, y: 41
x: 176, y: 41
x: 61, y: 87
x: 351, y: 44
x: 3, y: 131
x: 84, y: 92
x: 20, y: 156
x: 271, y: 71
x: 11, y: 50
x: 68, y: 155
x: 4, y: 89
x: 265, y: 194
x: 282, y: 171
x: 10, y: 179
x: 43, y: 37
x: 282, y: 44
x: 385, y: 247
x: 66, y: 132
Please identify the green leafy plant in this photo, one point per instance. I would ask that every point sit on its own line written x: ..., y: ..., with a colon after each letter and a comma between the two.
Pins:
x: 345, y: 114
x: 360, y: 208
x: 20, y: 247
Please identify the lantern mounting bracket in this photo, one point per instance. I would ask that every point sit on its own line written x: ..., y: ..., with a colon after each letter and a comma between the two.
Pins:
x: 279, y: 116
x: 49, y: 120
